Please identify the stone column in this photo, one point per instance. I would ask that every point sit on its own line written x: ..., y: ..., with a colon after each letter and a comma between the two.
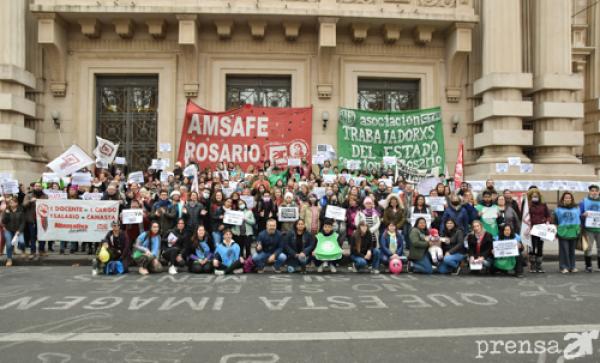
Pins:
x: 13, y: 81
x: 502, y: 110
x: 555, y: 130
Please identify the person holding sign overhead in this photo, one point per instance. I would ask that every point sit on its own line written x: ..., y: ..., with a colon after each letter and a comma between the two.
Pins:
x: 567, y: 217
x: 588, y: 206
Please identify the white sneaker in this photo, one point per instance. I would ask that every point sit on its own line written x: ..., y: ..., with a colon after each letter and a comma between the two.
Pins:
x: 332, y: 269
x: 321, y: 266
x: 352, y: 268
x: 238, y: 271
x: 172, y: 270
x: 219, y: 272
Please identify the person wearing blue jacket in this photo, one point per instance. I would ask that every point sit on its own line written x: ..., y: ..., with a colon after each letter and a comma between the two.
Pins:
x: 391, y: 244
x: 591, y: 203
x: 147, y: 250
x: 227, y: 256
x: 458, y: 213
x: 200, y: 253
x: 298, y: 245
x: 269, y: 248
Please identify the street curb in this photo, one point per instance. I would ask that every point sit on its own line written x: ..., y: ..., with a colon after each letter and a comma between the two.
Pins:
x: 86, y: 260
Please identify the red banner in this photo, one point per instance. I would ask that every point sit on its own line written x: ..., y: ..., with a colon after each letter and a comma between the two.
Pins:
x: 245, y: 136
x: 459, y: 167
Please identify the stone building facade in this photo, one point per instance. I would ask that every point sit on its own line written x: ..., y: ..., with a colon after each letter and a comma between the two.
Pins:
x: 513, y: 77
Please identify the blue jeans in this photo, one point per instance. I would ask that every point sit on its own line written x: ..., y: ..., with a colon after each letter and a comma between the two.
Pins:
x: 450, y: 263
x: 217, y: 237
x: 260, y: 259
x: 566, y: 253
x: 423, y: 266
x: 361, y: 262
x: 8, y: 236
x: 295, y: 262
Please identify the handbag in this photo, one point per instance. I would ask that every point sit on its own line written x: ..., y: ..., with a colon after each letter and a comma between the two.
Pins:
x: 582, y: 242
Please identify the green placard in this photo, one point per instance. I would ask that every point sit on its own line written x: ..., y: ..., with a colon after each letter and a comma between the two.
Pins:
x: 415, y: 137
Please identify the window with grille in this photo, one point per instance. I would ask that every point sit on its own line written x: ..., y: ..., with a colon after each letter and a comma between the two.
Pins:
x: 388, y: 94
x: 264, y: 91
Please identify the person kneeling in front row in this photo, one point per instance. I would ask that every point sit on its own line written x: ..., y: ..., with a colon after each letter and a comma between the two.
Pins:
x: 116, y: 245
x: 298, y: 245
x: 227, y: 256
x: 269, y: 248
x: 147, y: 250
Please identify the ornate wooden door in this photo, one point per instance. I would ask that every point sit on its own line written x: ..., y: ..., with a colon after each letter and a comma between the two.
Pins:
x: 126, y: 113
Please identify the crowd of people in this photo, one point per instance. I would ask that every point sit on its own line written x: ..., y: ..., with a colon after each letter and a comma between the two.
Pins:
x: 387, y: 226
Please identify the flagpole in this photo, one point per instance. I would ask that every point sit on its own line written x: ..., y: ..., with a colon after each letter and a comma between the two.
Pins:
x: 61, y: 139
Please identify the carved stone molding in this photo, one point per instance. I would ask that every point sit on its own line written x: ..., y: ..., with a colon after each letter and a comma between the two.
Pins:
x: 157, y: 28
x: 257, y: 28
x: 124, y: 27
x: 291, y: 29
x: 224, y: 28
x: 90, y: 27
x: 423, y: 34
x: 359, y: 31
x: 53, y: 37
x: 188, y: 40
x: 438, y: 3
x: 391, y: 33
x: 458, y: 48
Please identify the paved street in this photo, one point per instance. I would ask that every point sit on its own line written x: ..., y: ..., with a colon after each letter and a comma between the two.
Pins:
x: 63, y: 314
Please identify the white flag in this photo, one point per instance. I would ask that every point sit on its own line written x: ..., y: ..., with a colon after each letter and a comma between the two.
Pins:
x: 70, y: 161
x: 525, y: 221
x: 105, y: 150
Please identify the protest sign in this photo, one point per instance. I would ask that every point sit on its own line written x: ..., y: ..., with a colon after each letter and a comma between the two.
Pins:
x: 506, y: 248
x: 233, y: 217
x: 50, y: 178
x: 119, y: 160
x: 437, y: 204
x: 83, y: 179
x: 593, y: 219
x: 132, y: 216
x: 294, y: 162
x: 55, y: 194
x: 164, y: 147
x: 9, y: 187
x: 544, y: 231
x: 91, y: 196
x: 329, y: 178
x: 136, y: 177
x: 287, y: 214
x: 75, y: 220
x: 337, y: 213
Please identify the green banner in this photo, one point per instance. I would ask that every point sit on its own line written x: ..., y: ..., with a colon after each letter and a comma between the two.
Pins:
x: 415, y: 138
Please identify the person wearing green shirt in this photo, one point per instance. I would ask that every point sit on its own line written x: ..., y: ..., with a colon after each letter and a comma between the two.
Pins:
x: 277, y: 175
x: 488, y: 214
x: 328, y: 249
